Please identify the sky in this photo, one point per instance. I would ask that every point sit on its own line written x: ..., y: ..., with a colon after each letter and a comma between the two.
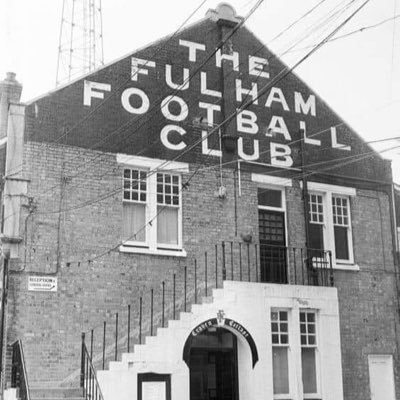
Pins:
x: 357, y: 75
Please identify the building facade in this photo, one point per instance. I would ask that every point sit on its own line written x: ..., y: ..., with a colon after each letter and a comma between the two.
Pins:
x: 211, y: 224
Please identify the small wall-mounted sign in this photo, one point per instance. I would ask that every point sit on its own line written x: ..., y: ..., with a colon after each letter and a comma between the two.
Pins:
x: 42, y: 284
x: 153, y: 386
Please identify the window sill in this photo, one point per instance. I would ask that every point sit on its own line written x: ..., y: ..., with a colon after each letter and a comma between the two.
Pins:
x: 346, y: 267
x: 282, y: 397
x: 157, y: 252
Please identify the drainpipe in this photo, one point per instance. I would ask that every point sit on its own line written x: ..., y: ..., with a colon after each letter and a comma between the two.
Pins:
x: 3, y: 323
x: 12, y: 124
x: 305, y: 189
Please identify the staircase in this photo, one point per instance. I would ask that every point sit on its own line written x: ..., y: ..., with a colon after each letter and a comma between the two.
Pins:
x: 47, y: 393
x: 56, y: 394
x: 163, y: 344
x: 163, y: 353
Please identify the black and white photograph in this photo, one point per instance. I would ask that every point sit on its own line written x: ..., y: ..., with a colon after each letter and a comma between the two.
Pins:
x: 199, y: 200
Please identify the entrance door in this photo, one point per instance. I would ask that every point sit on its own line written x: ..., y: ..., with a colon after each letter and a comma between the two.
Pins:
x: 272, y: 246
x: 213, y: 369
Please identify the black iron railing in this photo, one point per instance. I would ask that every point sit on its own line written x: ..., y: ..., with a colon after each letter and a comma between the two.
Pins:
x: 296, y: 266
x: 19, y: 378
x: 226, y: 261
x: 88, y: 381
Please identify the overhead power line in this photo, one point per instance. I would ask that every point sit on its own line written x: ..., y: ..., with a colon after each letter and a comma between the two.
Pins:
x: 349, y: 161
x: 122, y: 128
x: 248, y: 103
x: 359, y: 30
x: 295, y: 22
x: 170, y: 94
x: 281, y: 75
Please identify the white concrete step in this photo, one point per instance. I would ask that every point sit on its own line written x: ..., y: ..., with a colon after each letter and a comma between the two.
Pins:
x: 162, y: 345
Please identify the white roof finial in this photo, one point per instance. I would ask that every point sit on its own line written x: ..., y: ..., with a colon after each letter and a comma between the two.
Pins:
x: 224, y: 12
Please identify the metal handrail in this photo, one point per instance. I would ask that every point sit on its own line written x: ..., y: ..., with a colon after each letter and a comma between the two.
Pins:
x: 88, y: 381
x: 241, y: 261
x: 19, y: 377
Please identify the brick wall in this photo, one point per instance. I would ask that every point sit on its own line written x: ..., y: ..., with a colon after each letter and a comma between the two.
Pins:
x: 89, y: 292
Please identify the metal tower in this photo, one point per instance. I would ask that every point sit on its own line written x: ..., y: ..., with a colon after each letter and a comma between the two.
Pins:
x: 80, y: 48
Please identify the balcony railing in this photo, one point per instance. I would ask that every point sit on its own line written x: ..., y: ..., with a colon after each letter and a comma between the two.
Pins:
x: 291, y: 265
x: 245, y: 262
x: 270, y: 264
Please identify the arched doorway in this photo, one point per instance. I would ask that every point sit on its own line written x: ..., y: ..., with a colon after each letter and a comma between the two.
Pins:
x: 213, y: 365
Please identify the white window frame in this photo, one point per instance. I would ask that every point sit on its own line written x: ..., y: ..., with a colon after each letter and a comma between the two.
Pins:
x: 290, y: 355
x: 327, y: 192
x: 153, y: 166
x: 318, y: 394
x: 274, y: 183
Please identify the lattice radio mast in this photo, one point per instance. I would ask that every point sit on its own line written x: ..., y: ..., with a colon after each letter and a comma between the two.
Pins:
x: 80, y: 48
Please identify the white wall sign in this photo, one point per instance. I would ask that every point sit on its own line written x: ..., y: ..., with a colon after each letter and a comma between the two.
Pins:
x: 248, y: 123
x: 381, y: 379
x: 154, y: 391
x: 42, y: 284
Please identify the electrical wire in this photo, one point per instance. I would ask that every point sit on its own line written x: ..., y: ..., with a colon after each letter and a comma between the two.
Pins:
x: 137, y: 129
x: 247, y: 104
x: 221, y: 123
x: 175, y: 91
x: 168, y: 39
x: 359, y: 30
x: 295, y: 22
x: 121, y: 243
x: 281, y: 75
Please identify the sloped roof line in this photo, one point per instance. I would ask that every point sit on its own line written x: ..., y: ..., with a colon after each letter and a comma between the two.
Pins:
x: 321, y: 99
x: 190, y: 26
x: 114, y: 61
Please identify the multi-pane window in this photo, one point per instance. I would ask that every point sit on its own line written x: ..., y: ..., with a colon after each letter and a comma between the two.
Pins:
x: 330, y: 225
x: 280, y: 349
x: 151, y: 209
x: 134, y: 205
x: 316, y: 209
x: 308, y: 341
x: 167, y: 208
x: 341, y: 225
x: 316, y: 225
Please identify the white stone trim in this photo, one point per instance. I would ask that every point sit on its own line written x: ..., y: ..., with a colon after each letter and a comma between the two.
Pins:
x: 271, y: 180
x: 334, y: 189
x: 328, y: 191
x: 157, y: 252
x: 152, y: 163
x: 346, y: 267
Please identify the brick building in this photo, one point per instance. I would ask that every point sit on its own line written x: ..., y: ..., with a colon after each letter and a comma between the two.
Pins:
x: 211, y: 224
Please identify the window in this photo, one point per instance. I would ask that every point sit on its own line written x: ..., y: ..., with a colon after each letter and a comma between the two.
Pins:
x: 316, y: 226
x: 272, y: 233
x: 329, y: 225
x: 168, y: 206
x: 152, y: 207
x: 341, y: 226
x: 134, y: 205
x: 280, y: 350
x: 269, y: 197
x: 308, y: 341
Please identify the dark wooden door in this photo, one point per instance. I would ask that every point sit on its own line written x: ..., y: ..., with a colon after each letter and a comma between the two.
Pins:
x: 213, y: 374
x: 273, y: 258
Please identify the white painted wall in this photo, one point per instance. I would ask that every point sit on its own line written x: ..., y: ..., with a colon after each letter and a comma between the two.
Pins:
x: 249, y: 304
